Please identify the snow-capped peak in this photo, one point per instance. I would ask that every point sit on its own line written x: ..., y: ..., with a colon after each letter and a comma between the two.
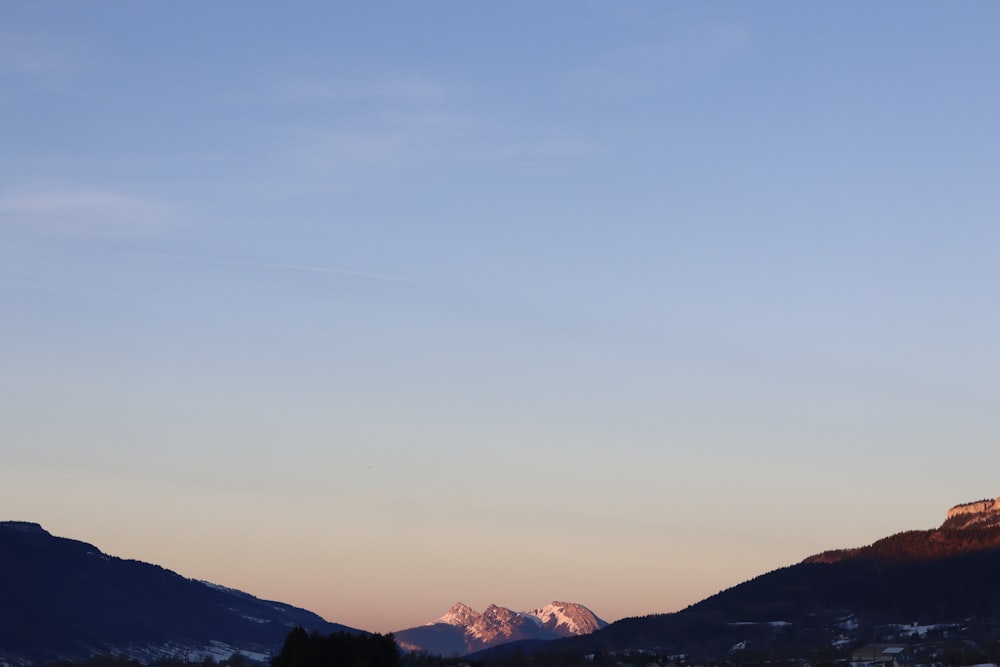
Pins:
x: 459, y: 615
x: 567, y: 618
x: 463, y: 630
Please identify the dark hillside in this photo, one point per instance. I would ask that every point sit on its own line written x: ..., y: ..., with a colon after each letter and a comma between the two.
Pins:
x: 948, y: 576
x: 918, y: 589
x: 64, y: 598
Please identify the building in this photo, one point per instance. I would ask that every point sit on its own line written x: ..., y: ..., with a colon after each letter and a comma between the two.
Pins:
x: 881, y: 655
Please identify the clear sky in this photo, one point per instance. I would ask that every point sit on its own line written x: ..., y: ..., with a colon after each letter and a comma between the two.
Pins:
x: 372, y: 307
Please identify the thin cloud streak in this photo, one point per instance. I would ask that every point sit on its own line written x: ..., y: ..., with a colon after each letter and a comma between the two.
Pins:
x: 305, y: 268
x: 69, y: 200
x: 33, y: 53
x: 389, y: 91
x: 83, y: 211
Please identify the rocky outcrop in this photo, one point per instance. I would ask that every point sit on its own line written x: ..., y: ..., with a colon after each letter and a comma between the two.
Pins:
x: 968, y: 528
x: 978, y: 514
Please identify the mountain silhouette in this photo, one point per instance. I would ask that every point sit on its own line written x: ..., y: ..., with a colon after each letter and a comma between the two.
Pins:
x: 62, y: 598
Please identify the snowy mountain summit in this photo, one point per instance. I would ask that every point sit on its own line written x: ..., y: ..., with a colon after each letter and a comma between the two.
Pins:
x: 459, y: 615
x: 463, y: 630
x: 566, y: 619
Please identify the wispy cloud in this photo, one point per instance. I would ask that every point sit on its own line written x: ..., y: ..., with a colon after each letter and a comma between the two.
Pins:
x: 34, y: 53
x: 82, y: 211
x: 354, y: 134
x: 394, y: 91
x: 556, y: 148
x: 287, y: 266
x: 48, y: 202
x: 651, y: 65
x: 396, y: 139
x: 390, y: 140
x: 350, y: 132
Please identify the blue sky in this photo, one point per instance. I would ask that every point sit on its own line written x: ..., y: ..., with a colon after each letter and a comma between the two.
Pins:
x: 372, y: 308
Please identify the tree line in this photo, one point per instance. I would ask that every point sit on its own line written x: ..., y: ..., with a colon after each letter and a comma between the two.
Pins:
x: 340, y: 649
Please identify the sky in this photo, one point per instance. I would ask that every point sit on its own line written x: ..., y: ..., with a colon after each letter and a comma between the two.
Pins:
x: 372, y: 308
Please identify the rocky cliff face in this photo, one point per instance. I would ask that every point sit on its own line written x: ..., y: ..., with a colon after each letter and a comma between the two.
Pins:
x: 967, y: 528
x: 978, y: 514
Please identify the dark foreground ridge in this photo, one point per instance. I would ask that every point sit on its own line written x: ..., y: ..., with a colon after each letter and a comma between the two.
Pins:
x: 65, y: 599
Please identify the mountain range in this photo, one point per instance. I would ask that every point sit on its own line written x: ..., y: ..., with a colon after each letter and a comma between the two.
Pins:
x: 65, y: 599
x: 463, y: 630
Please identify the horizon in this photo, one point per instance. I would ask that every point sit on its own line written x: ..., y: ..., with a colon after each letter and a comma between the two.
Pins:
x: 480, y: 607
x: 369, y: 309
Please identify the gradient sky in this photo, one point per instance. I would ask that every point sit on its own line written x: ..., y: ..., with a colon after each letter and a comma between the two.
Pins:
x: 375, y: 307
